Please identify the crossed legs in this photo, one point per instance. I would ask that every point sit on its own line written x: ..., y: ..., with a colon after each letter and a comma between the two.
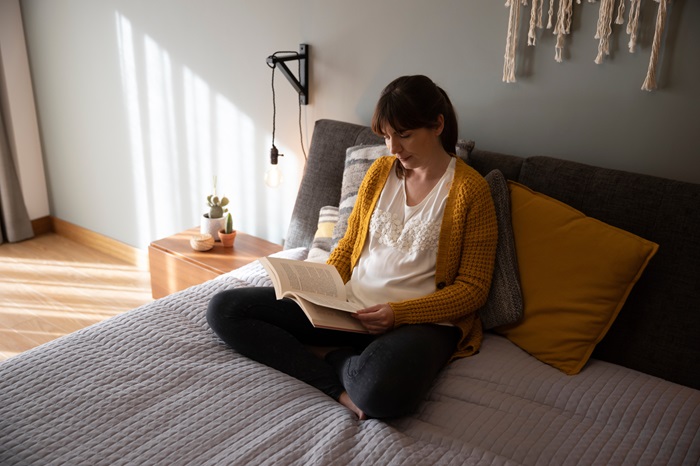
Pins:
x: 385, y: 376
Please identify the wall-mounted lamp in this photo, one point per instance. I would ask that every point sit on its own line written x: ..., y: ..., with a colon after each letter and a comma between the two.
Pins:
x: 273, y: 177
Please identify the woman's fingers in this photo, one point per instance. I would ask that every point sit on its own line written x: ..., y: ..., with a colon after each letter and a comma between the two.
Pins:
x: 377, y: 319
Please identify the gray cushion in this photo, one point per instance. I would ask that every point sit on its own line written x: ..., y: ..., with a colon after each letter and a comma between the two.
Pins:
x: 505, y: 301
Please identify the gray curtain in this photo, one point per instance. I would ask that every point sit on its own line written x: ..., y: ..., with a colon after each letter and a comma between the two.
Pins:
x: 14, y: 219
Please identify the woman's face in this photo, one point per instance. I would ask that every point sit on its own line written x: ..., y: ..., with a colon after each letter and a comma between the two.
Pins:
x: 414, y: 148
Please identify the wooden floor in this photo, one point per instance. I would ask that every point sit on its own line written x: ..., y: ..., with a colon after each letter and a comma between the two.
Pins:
x: 51, y: 286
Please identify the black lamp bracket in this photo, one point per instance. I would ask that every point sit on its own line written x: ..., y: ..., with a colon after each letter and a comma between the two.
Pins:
x: 301, y: 85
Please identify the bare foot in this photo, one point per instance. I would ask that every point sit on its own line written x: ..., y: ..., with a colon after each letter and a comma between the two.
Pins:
x: 347, y: 402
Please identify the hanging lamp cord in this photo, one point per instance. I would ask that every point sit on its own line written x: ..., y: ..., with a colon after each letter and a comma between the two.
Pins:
x: 274, y: 104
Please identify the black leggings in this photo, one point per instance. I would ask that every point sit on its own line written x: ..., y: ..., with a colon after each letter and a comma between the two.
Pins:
x: 385, y: 376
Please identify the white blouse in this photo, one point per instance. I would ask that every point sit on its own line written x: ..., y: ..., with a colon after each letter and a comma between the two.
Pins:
x: 399, y: 257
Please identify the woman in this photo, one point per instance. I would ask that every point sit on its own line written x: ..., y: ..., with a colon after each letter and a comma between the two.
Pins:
x: 418, y: 254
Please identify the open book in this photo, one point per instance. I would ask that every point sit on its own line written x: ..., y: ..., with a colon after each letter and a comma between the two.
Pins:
x: 318, y: 289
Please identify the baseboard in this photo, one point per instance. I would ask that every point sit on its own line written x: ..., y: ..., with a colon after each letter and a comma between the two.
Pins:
x: 42, y: 225
x: 114, y: 248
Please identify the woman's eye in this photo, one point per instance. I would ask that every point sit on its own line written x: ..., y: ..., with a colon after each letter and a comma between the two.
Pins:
x: 387, y: 137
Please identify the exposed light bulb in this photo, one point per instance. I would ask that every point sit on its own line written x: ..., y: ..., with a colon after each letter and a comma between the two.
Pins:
x: 273, y: 175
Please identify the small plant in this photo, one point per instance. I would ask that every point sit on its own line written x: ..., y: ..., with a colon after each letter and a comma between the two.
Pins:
x: 229, y: 224
x: 216, y: 205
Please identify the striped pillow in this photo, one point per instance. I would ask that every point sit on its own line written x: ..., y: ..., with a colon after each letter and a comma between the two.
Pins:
x: 357, y: 161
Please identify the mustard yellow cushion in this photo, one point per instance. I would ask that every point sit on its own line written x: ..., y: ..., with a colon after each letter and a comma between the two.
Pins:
x: 575, y: 273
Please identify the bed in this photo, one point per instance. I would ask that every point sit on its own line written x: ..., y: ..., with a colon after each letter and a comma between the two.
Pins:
x: 156, y: 386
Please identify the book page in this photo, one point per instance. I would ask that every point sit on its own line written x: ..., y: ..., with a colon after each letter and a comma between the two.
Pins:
x: 318, y: 289
x: 307, y: 277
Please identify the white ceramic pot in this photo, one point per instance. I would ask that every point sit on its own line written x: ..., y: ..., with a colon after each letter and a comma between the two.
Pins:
x: 212, y: 226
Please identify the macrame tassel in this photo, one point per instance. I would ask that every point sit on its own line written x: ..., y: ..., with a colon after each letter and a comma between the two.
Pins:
x: 633, y: 23
x: 620, y: 13
x: 535, y: 21
x: 563, y: 26
x: 650, y: 81
x: 511, y: 41
x: 604, y: 29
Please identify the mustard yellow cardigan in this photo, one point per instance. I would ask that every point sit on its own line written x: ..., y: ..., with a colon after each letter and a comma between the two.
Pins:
x: 465, y: 257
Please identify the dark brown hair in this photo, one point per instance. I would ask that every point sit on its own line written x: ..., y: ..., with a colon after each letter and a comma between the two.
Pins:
x: 412, y: 102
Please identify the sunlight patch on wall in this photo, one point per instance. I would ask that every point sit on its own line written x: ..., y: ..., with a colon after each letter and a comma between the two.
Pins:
x: 182, y: 133
x: 198, y: 124
x: 131, y: 99
x: 233, y: 147
x: 162, y: 147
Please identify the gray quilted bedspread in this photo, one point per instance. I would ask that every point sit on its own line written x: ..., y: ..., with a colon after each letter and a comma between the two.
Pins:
x: 155, y: 386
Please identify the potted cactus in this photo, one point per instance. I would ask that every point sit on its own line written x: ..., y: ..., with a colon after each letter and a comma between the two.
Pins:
x: 228, y: 234
x: 213, y: 221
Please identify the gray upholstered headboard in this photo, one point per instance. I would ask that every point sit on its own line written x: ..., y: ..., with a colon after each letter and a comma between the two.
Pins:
x: 323, y: 175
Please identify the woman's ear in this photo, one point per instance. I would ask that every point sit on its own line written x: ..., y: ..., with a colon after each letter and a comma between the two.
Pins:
x: 440, y: 126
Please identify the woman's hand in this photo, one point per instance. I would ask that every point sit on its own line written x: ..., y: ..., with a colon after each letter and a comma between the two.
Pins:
x: 376, y: 319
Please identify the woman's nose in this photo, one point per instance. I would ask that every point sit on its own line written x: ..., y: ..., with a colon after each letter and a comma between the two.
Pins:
x: 394, y: 145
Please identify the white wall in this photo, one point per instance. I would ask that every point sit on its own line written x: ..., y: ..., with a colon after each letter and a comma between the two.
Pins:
x: 140, y: 103
x: 22, y: 123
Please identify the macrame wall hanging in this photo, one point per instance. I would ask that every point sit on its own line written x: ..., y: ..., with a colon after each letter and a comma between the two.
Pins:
x: 561, y: 26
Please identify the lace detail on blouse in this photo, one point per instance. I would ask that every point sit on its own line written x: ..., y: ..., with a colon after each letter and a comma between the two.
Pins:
x: 414, y: 236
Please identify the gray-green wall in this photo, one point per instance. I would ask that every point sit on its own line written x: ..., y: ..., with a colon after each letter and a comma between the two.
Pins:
x: 141, y: 102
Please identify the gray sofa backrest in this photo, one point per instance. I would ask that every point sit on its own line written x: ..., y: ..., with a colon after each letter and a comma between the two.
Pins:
x: 658, y: 329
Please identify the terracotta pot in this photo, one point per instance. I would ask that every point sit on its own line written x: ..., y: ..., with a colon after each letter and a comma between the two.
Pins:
x: 227, y: 239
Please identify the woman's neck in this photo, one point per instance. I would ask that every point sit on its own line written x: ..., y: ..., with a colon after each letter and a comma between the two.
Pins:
x: 431, y: 171
x: 421, y: 180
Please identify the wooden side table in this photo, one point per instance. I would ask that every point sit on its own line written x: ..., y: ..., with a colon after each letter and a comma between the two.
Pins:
x: 176, y: 266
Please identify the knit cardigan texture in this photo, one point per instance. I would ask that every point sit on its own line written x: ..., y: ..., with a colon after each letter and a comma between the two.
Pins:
x: 465, y: 256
